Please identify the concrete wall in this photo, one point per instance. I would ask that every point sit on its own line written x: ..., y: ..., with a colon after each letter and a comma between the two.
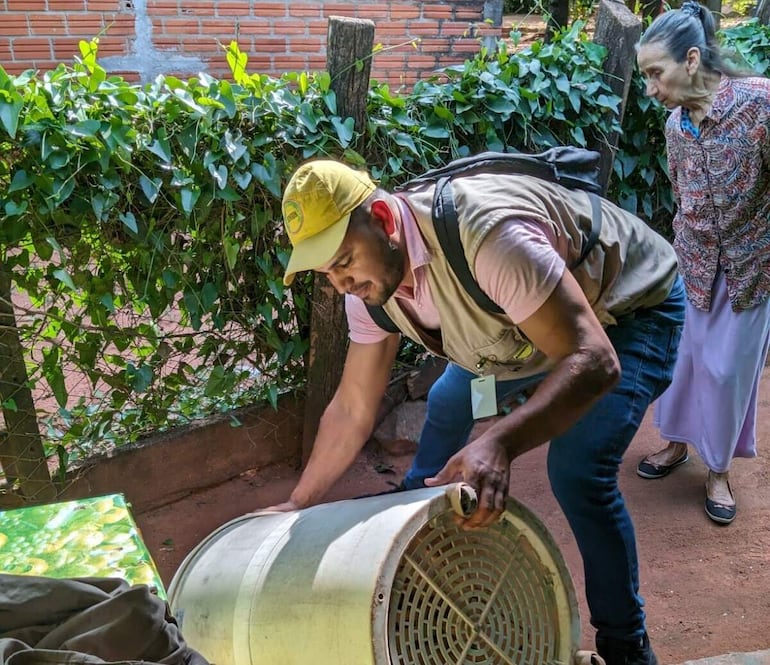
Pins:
x: 169, y: 466
x: 142, y: 38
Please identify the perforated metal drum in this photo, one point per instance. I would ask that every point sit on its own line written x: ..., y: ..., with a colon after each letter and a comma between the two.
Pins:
x: 477, y: 597
x: 388, y: 580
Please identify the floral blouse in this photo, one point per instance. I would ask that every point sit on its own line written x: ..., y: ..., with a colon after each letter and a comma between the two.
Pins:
x: 721, y: 184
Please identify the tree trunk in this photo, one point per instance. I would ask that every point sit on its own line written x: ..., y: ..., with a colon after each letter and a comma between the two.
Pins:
x: 716, y: 10
x: 21, y: 448
x: 349, y: 42
x: 763, y: 12
x: 618, y: 30
x: 557, y: 17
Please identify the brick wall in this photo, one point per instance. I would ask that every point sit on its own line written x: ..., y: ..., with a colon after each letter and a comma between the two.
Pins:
x: 141, y: 38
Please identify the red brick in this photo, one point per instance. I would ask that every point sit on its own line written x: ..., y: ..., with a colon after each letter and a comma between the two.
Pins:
x: 371, y: 11
x: 164, y: 7
x: 317, y: 63
x: 43, y: 66
x: 30, y: 47
x: 45, y: 24
x: 399, y: 13
x: 5, y: 50
x: 88, y: 25
x: 25, y: 5
x: 114, y: 44
x: 389, y: 60
x: 437, y: 11
x: 16, y: 68
x: 468, y: 14
x: 427, y: 28
x: 166, y: 42
x: 260, y: 63
x: 66, y: 5
x: 271, y: 45
x: 293, y: 63
x: 459, y: 29
x: 439, y: 44
x: 105, y: 6
x: 203, y: 11
x: 306, y: 12
x: 289, y: 28
x: 318, y: 28
x: 119, y: 24
x: 181, y: 26
x: 339, y: 8
x: 260, y: 28
x: 109, y: 47
x: 15, y: 25
x: 270, y: 10
x: 231, y: 9
x: 65, y: 48
x: 394, y: 31
x: 304, y: 45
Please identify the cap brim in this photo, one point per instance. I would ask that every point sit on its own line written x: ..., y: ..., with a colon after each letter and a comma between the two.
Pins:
x: 313, y: 252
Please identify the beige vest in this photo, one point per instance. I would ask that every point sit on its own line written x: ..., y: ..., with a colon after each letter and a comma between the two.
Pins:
x: 630, y: 268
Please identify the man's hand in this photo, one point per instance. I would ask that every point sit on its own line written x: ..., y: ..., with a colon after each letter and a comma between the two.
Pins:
x: 284, y: 507
x: 485, y: 466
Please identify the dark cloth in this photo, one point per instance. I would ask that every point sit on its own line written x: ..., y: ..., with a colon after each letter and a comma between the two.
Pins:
x: 87, y: 620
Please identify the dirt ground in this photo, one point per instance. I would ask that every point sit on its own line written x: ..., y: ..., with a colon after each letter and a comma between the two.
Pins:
x: 706, y: 586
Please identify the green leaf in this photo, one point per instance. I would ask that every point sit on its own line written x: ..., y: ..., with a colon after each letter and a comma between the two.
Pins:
x: 85, y: 128
x: 344, y: 130
x: 150, y: 188
x: 139, y: 378
x: 21, y: 180
x: 189, y: 196
x: 231, y: 252
x: 405, y: 141
x: 64, y: 277
x: 13, y: 209
x: 54, y: 374
x: 209, y: 296
x: 9, y: 112
x: 220, y: 175
x: 129, y: 221
x: 161, y: 148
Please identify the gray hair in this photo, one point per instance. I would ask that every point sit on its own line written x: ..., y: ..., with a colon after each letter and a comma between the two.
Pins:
x: 679, y: 30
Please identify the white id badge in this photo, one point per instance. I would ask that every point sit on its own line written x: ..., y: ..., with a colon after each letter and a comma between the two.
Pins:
x: 483, y: 397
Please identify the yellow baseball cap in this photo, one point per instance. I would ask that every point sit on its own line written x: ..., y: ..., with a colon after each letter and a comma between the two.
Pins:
x: 316, y: 211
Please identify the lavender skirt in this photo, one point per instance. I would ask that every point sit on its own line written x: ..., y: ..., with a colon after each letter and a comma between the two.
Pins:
x: 711, y: 403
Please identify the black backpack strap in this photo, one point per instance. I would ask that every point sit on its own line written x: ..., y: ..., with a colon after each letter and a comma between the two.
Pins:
x: 447, y: 229
x: 596, y: 227
x: 382, y: 319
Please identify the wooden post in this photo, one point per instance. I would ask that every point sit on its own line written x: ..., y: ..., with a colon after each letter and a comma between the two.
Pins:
x: 21, y: 448
x: 618, y: 30
x: 557, y: 17
x: 716, y: 11
x: 763, y: 12
x: 349, y: 62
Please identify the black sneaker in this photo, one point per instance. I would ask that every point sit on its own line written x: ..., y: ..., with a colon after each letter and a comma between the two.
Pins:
x: 623, y: 652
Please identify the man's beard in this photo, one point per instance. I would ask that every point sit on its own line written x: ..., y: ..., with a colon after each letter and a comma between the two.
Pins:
x: 393, y: 264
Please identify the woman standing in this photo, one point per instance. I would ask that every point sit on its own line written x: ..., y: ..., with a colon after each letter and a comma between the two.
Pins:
x: 718, y: 144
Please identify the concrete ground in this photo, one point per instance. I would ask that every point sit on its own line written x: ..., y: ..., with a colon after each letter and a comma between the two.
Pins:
x: 754, y: 658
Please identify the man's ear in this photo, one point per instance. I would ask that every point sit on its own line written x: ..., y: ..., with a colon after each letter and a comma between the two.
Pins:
x: 384, y: 215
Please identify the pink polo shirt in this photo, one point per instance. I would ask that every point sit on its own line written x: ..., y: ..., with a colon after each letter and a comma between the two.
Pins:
x: 518, y: 266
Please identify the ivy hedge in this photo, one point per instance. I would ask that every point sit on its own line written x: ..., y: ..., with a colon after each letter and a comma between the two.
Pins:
x: 142, y: 224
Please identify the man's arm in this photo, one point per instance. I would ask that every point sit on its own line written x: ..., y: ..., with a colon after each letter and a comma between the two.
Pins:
x: 566, y: 330
x: 348, y: 420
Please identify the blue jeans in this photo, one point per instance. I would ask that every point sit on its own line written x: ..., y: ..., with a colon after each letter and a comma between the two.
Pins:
x: 582, y: 463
